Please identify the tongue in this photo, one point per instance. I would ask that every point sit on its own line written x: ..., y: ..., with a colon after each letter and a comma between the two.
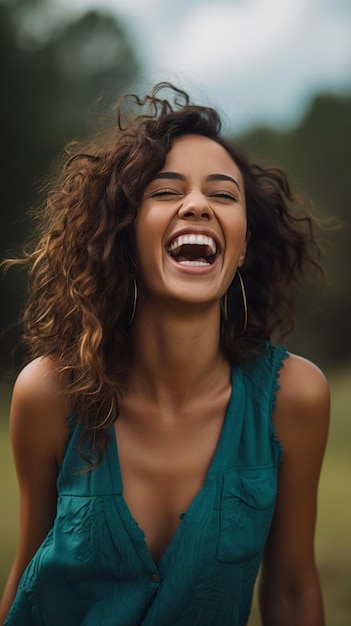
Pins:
x: 190, y: 252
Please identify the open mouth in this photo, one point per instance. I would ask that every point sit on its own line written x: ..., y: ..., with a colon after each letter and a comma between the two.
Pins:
x: 193, y: 250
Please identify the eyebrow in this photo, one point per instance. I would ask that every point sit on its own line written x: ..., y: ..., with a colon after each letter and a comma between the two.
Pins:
x: 211, y: 177
x: 223, y: 177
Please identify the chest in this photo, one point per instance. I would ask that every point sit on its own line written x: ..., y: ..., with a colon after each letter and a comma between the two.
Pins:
x: 162, y: 470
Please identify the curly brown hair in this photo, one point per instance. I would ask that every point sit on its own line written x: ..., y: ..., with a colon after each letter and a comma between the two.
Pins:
x: 82, y: 264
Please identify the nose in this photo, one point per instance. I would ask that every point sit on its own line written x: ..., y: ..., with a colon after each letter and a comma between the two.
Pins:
x: 195, y: 207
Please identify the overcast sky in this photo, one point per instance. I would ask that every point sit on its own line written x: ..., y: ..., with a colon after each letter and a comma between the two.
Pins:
x: 260, y: 61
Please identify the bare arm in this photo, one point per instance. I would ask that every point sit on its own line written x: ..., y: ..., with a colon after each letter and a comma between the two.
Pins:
x: 37, y: 428
x: 289, y: 590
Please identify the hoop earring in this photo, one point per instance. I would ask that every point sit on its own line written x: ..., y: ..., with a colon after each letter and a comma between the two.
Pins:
x: 224, y: 304
x: 243, y: 293
x: 135, y: 297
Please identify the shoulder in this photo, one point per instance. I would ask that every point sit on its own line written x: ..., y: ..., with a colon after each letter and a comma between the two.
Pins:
x: 303, y: 401
x: 39, y: 370
x: 39, y: 407
x: 302, y: 384
x: 40, y: 382
x: 39, y: 389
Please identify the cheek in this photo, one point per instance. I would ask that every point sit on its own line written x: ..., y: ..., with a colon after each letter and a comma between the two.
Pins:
x: 237, y: 229
x: 148, y: 250
x: 236, y: 243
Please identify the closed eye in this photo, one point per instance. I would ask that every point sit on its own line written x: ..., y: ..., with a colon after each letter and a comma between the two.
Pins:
x: 164, y: 192
x: 225, y: 195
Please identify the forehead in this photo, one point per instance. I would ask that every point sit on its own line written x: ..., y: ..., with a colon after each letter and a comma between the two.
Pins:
x: 200, y: 154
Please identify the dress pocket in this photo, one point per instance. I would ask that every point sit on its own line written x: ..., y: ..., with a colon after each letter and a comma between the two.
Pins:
x: 247, y: 508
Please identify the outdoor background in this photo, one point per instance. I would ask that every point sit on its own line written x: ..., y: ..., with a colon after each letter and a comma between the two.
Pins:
x: 281, y: 73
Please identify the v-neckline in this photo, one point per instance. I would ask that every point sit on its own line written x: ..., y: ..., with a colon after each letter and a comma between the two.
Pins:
x: 134, y: 530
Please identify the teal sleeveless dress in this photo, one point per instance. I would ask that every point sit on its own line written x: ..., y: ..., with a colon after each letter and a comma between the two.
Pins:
x: 94, y: 567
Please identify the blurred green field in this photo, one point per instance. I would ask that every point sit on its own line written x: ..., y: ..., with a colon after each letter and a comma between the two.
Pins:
x: 333, y: 542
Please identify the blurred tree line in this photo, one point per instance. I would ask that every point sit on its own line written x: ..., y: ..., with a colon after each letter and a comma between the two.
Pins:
x: 316, y: 155
x: 51, y: 79
x: 55, y: 78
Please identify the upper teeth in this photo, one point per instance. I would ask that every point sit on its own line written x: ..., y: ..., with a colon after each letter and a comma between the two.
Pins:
x: 198, y: 240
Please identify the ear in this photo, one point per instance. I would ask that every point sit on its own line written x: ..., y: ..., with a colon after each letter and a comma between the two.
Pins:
x: 244, y: 249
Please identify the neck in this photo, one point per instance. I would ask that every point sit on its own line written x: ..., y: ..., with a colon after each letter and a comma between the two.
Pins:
x: 176, y: 353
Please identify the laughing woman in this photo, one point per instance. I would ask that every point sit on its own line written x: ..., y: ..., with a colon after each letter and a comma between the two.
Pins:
x: 165, y: 448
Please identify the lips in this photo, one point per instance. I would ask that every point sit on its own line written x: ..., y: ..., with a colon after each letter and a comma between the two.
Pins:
x: 193, y: 249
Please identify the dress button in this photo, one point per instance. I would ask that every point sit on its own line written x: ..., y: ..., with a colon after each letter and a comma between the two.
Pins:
x: 155, y: 578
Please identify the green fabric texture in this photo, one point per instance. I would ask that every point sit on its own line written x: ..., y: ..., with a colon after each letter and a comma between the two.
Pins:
x: 94, y: 567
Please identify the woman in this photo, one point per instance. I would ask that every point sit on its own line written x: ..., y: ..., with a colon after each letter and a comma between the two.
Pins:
x: 159, y: 459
